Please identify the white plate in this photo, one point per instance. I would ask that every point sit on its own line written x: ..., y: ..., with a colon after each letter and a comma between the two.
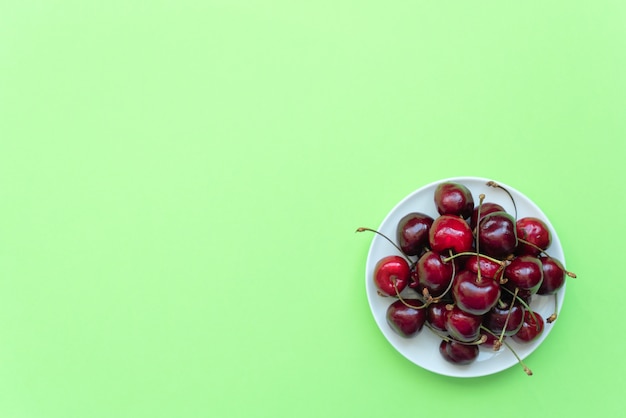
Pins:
x: 423, y: 349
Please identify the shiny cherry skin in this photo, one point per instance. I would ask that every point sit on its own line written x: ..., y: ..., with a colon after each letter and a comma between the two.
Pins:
x: 405, y: 320
x: 497, y: 317
x: 535, y: 231
x: 450, y: 232
x: 412, y: 232
x: 433, y: 273
x: 458, y: 353
x: 531, y: 329
x: 437, y: 316
x: 488, y: 267
x: 485, y: 209
x: 497, y: 235
x: 490, y: 341
x: 554, y: 276
x: 525, y: 272
x: 461, y: 325
x: 475, y: 295
x: 389, y: 270
x: 454, y: 199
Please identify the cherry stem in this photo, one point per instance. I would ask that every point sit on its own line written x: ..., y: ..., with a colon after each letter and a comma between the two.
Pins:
x: 519, y: 360
x: 405, y: 303
x: 552, y: 317
x: 453, y: 256
x: 523, y: 241
x: 362, y: 229
x: 497, y: 347
x: 497, y: 344
x: 496, y: 185
x: 506, y: 321
x: 481, y: 198
x: 524, y: 304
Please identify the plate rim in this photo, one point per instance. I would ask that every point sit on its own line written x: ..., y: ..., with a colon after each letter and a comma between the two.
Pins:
x: 455, y: 370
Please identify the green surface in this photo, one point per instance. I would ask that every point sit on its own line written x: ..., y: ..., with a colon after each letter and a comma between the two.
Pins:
x: 180, y: 182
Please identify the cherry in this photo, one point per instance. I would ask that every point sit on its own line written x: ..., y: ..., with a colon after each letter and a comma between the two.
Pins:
x: 508, y: 295
x: 553, y: 276
x: 478, y: 270
x: 433, y: 273
x: 437, y: 316
x: 492, y: 341
x: 458, y: 353
x: 533, y: 234
x: 504, y: 320
x: 450, y: 232
x: 485, y: 209
x: 473, y: 294
x: 497, y: 236
x: 412, y: 232
x: 454, y: 199
x: 404, y: 318
x: 524, y: 272
x: 531, y: 329
x: 489, y: 268
x: 391, y: 275
x: 461, y: 325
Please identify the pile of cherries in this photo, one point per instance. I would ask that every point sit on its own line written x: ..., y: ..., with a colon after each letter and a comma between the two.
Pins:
x: 473, y: 270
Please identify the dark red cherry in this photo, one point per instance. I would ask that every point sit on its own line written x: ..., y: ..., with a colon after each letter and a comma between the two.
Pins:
x: 461, y: 325
x: 554, y: 276
x: 490, y: 340
x: 507, y: 296
x: 450, y: 232
x: 405, y: 320
x: 536, y: 232
x: 497, y: 236
x: 531, y: 329
x: 412, y: 232
x: 473, y: 295
x: 485, y: 209
x: 389, y: 270
x: 433, y: 273
x: 488, y: 267
x: 458, y: 353
x: 524, y: 272
x: 454, y: 199
x: 437, y: 316
x: 511, y: 316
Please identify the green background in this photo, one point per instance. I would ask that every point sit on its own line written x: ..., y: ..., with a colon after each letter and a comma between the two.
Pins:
x: 180, y: 182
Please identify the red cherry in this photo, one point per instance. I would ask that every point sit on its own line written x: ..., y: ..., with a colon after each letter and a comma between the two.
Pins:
x: 454, y: 199
x: 488, y: 267
x: 534, y: 231
x: 485, y: 209
x: 437, y: 316
x: 389, y: 270
x: 524, y: 272
x: 412, y: 232
x: 491, y: 340
x: 554, y: 276
x: 496, y: 319
x: 497, y: 235
x: 433, y: 273
x: 531, y: 329
x: 450, y: 232
x: 474, y: 295
x: 404, y: 319
x: 458, y: 353
x: 461, y: 325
